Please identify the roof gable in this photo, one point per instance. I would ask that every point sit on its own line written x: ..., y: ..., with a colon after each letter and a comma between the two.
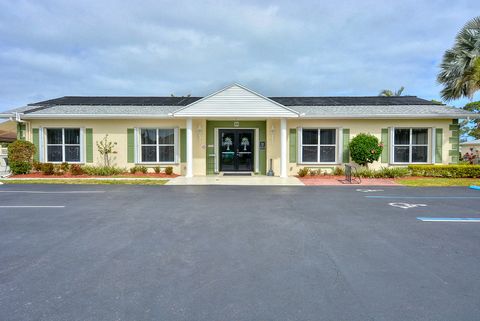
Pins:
x: 235, y: 101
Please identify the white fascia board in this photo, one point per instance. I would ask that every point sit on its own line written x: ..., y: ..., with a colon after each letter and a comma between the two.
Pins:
x: 259, y: 116
x: 93, y: 116
x: 230, y: 86
x: 6, y: 115
x: 386, y: 116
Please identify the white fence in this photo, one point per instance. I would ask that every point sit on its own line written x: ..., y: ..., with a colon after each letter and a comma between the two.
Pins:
x: 3, y: 160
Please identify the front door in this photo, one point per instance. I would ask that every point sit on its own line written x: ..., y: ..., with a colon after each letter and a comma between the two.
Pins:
x: 236, y: 150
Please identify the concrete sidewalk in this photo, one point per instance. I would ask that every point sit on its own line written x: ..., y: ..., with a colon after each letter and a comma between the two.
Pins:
x: 235, y: 180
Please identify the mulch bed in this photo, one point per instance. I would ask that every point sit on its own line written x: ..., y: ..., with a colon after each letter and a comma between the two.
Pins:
x: 125, y: 175
x: 340, y: 180
x: 321, y: 177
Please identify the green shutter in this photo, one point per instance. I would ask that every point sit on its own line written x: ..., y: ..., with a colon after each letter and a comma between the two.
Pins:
x: 346, y: 142
x: 438, y: 145
x: 21, y: 131
x: 89, y: 145
x: 293, y: 145
x: 385, y: 141
x: 183, y: 145
x: 130, y: 145
x: 36, y: 142
x: 455, y: 141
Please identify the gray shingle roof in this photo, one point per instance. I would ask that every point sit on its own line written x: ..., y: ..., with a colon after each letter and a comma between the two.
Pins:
x: 371, y: 111
x: 320, y: 107
x: 184, y: 101
x: 103, y: 110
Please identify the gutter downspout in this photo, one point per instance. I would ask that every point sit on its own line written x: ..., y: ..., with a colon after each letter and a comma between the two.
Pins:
x: 18, y: 119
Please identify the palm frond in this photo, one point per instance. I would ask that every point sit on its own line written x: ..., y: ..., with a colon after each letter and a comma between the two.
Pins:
x: 460, y: 67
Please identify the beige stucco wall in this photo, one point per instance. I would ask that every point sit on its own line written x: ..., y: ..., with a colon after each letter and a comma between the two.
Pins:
x: 273, y: 146
x: 117, y: 131
x: 373, y: 127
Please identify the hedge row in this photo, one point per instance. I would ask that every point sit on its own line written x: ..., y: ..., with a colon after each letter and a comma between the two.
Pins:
x: 453, y: 171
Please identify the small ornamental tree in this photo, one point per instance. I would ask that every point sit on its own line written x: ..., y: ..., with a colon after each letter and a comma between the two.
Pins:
x: 106, y: 149
x: 20, y: 156
x: 365, y: 149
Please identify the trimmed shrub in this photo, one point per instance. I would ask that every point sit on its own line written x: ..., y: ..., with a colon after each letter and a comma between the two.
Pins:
x: 392, y: 172
x: 385, y: 172
x: 18, y: 167
x: 57, y: 170
x: 169, y: 170
x: 302, y: 172
x: 138, y: 168
x: 65, y: 167
x: 453, y: 171
x: 76, y: 169
x: 20, y: 156
x: 365, y: 172
x: 157, y: 169
x: 37, y: 166
x: 365, y: 149
x: 47, y: 169
x: 338, y: 171
x: 102, y: 170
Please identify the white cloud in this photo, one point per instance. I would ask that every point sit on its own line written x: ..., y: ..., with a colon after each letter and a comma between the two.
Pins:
x: 53, y: 48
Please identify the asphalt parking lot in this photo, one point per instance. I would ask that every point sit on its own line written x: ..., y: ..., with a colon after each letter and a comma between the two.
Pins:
x: 238, y: 253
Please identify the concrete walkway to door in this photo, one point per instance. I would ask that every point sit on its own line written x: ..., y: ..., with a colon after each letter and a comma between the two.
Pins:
x: 235, y: 180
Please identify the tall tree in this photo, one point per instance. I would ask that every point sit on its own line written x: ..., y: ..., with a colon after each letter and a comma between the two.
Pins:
x: 460, y: 69
x: 471, y: 127
x: 390, y: 93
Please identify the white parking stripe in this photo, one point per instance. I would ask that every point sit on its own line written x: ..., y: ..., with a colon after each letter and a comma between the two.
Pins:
x: 32, y: 206
x: 53, y: 192
x: 450, y: 219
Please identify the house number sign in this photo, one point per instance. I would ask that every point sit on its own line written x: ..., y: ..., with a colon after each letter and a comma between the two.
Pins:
x: 236, y: 124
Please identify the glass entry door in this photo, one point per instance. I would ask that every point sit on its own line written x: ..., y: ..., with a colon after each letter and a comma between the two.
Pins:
x: 236, y: 150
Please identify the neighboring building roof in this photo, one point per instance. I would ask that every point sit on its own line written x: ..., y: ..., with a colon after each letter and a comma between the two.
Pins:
x: 472, y: 142
x: 8, y: 131
x: 238, y: 101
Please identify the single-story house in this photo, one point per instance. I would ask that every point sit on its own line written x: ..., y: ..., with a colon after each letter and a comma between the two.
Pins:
x: 238, y: 130
x: 471, y: 147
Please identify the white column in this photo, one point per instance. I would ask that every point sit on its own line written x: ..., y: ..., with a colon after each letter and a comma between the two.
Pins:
x: 283, y: 148
x: 189, y: 148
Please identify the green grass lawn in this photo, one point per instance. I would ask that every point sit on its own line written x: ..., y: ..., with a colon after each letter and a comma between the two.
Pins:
x: 86, y: 181
x: 438, y: 181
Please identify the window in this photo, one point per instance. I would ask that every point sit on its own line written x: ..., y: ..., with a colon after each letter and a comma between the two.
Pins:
x: 157, y: 145
x: 318, y: 145
x: 410, y: 145
x: 63, y: 145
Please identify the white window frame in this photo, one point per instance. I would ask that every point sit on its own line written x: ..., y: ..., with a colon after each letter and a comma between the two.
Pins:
x: 410, y: 145
x: 157, y: 145
x: 319, y: 145
x: 44, y: 133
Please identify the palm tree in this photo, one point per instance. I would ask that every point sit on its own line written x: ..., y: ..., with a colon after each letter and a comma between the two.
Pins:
x: 460, y: 69
x: 390, y: 93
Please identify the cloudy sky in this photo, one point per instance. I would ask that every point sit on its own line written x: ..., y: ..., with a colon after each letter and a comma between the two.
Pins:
x: 56, y: 48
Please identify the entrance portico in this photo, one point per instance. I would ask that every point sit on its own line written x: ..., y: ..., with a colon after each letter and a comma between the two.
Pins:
x: 243, y: 131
